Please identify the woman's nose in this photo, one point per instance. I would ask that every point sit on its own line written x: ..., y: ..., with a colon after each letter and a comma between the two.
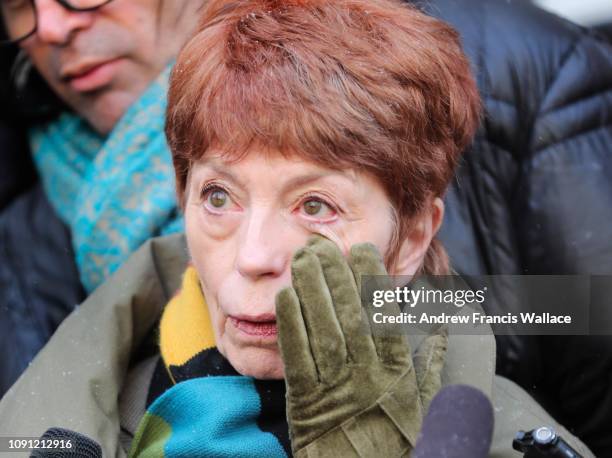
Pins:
x: 263, y: 249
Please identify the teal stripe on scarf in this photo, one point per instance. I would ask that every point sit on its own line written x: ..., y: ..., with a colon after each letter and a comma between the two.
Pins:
x: 114, y: 193
x: 215, y: 417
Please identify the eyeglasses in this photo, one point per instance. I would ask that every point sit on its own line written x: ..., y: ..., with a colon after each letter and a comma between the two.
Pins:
x: 19, y: 18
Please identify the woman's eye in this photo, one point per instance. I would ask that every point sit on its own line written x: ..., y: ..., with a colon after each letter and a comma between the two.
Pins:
x: 317, y: 208
x: 216, y: 198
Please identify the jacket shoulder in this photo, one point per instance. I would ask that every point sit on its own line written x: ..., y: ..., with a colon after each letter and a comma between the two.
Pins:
x: 169, y: 257
x: 515, y: 410
x: 75, y: 381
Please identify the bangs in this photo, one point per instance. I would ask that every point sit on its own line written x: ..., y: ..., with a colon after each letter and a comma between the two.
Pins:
x: 259, y: 82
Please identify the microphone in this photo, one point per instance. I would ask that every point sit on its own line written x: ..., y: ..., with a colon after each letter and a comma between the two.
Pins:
x: 73, y: 445
x: 543, y: 442
x: 459, y: 424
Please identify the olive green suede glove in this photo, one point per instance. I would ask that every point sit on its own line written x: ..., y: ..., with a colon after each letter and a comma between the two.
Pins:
x: 349, y: 392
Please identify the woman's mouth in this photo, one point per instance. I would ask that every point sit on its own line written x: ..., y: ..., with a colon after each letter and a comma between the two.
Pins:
x: 261, y: 326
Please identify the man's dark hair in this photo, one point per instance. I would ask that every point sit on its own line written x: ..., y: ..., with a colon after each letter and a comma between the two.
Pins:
x: 32, y: 99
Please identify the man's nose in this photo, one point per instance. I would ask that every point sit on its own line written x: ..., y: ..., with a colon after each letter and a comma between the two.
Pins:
x: 56, y: 25
x: 263, y: 250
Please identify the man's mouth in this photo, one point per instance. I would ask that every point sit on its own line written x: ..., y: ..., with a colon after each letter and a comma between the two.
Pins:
x: 260, y: 325
x: 90, y: 76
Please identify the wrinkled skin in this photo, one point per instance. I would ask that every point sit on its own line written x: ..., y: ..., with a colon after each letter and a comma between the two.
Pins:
x: 245, y: 220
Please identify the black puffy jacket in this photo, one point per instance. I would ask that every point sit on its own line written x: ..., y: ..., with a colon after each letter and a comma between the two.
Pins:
x: 39, y: 283
x: 533, y: 194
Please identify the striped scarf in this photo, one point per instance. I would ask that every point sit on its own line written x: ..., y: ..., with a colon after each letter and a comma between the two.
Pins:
x: 198, y: 405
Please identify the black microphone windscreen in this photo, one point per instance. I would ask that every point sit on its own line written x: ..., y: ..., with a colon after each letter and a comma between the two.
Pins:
x: 80, y: 446
x: 459, y: 424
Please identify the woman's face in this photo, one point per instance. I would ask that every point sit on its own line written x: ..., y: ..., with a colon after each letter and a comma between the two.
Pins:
x: 244, y: 221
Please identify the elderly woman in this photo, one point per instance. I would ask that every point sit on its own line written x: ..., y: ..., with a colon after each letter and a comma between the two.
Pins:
x: 285, y: 119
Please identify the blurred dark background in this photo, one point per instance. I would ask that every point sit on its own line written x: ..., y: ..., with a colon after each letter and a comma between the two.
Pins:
x: 589, y: 13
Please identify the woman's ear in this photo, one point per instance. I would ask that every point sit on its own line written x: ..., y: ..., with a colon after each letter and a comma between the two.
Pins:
x: 415, y: 243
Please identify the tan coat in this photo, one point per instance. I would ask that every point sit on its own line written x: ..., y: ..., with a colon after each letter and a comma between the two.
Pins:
x: 80, y: 380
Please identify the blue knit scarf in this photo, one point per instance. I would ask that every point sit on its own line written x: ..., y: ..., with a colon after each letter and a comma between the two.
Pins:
x: 114, y: 193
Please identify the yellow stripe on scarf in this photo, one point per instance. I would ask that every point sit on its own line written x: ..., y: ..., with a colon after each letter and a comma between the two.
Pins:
x: 185, y: 328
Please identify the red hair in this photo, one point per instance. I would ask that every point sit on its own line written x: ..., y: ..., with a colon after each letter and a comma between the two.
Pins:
x: 371, y: 85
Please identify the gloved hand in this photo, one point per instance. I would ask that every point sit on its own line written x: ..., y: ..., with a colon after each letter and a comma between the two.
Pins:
x: 349, y: 393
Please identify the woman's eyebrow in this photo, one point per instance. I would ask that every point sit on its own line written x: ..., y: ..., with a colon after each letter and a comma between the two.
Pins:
x: 221, y: 171
x: 303, y: 180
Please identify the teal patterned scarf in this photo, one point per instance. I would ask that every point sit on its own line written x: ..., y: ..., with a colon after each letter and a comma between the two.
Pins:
x: 114, y: 193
